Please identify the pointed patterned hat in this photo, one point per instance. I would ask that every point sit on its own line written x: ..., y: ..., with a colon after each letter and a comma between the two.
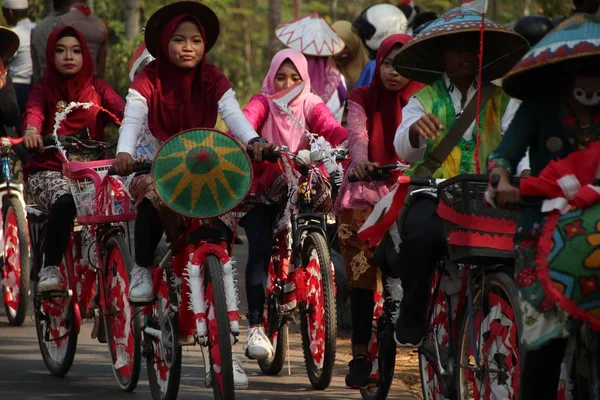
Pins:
x: 421, y: 60
x: 310, y: 35
x: 576, y: 39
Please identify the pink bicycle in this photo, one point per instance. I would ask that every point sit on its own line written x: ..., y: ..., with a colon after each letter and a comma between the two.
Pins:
x: 97, y: 256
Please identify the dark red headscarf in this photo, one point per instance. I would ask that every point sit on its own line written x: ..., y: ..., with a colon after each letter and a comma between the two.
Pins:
x: 384, y: 107
x: 179, y: 98
x: 76, y: 88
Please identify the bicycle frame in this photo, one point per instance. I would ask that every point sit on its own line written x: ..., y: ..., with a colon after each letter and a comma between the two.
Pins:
x: 7, y: 187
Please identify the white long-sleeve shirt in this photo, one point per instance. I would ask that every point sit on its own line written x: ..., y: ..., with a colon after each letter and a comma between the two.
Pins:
x: 414, y: 110
x: 20, y: 67
x: 134, y: 132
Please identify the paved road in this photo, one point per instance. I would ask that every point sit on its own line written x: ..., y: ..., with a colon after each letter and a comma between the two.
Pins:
x: 23, y: 375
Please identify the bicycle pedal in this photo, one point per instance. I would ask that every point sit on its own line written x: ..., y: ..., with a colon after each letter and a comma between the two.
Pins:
x: 141, y: 303
x: 53, y: 294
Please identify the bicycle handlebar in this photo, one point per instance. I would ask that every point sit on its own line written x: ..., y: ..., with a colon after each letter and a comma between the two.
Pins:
x: 378, y: 174
x: 72, y: 141
x: 143, y: 167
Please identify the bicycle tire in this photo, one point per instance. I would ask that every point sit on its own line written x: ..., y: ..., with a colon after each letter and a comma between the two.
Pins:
x: 315, y: 244
x: 117, y: 274
x: 170, y: 367
x: 433, y: 385
x: 274, y: 365
x: 386, y: 355
x: 214, y: 278
x: 16, y: 258
x: 57, y: 364
x: 491, y: 303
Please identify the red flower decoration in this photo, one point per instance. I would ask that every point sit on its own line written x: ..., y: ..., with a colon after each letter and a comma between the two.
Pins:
x: 589, y: 285
x: 574, y: 229
x: 596, y: 118
x: 569, y: 121
x: 527, y: 277
x: 546, y: 305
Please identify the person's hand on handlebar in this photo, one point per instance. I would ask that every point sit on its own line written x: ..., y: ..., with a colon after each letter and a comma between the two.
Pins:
x: 123, y: 164
x: 258, y: 147
x: 505, y: 192
x: 363, y: 170
x: 33, y: 140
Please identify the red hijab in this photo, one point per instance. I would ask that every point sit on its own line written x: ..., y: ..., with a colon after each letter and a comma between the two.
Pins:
x: 180, y: 98
x: 384, y: 107
x: 76, y: 88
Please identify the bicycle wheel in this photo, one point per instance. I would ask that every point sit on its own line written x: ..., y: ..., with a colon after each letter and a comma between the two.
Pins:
x: 161, y: 347
x: 496, y: 332
x: 436, y: 382
x: 121, y: 321
x: 55, y: 327
x: 278, y: 334
x: 385, y: 351
x: 15, y: 271
x: 219, y: 334
x: 318, y: 314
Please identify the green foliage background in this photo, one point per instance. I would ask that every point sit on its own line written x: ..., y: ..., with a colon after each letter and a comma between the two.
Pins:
x: 241, y: 51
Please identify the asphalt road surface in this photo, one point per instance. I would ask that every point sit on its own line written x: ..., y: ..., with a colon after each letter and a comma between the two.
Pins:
x: 23, y: 375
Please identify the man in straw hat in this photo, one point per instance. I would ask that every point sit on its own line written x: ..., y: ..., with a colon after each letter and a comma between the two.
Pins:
x: 438, y: 135
x: 9, y: 108
x: 559, y: 83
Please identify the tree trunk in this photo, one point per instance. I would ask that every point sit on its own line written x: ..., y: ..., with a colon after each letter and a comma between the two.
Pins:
x: 132, y: 18
x: 333, y: 4
x: 48, y: 8
x: 296, y: 8
x: 247, y: 43
x: 274, y: 21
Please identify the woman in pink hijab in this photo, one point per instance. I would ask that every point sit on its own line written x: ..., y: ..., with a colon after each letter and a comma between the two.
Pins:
x: 288, y: 67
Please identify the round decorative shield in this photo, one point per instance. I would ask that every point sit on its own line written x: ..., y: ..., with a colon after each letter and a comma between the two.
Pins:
x: 202, y: 173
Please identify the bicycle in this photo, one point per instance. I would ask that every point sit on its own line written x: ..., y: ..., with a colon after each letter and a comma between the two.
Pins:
x: 196, y: 298
x: 463, y: 354
x: 14, y: 245
x: 103, y: 259
x: 297, y: 283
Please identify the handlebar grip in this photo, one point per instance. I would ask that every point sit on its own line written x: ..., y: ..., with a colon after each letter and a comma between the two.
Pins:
x: 495, y: 180
x: 138, y: 167
x: 353, y: 178
x: 272, y: 156
x: 49, y: 140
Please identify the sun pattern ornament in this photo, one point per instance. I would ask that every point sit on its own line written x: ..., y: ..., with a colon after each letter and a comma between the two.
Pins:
x: 202, y: 173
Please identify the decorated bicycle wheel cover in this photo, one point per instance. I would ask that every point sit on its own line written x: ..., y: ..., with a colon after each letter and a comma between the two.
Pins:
x: 202, y: 173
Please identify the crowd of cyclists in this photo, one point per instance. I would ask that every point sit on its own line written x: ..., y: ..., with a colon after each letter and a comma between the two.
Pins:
x: 413, y: 91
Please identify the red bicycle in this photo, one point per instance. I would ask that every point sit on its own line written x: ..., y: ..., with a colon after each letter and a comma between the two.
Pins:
x: 200, y: 174
x: 14, y: 239
x: 97, y: 254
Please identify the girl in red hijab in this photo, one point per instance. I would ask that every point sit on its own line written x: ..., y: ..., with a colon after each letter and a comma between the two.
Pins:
x: 68, y: 77
x: 374, y: 114
x: 177, y: 91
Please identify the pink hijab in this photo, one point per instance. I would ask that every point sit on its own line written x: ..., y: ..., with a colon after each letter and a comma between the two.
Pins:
x: 278, y: 127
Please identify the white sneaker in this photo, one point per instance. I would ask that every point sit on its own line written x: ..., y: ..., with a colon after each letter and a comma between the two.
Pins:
x: 140, y: 287
x: 50, y: 279
x: 258, y: 345
x: 240, y: 379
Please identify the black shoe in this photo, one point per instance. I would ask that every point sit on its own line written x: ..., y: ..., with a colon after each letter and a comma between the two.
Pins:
x: 358, y: 374
x: 409, y: 331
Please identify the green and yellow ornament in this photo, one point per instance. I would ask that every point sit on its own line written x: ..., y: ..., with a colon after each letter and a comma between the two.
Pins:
x: 202, y: 173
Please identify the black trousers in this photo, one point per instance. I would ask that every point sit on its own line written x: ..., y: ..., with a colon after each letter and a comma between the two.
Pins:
x: 541, y: 371
x: 423, y: 246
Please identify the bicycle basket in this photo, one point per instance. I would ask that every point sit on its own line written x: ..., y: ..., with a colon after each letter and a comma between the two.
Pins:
x: 477, y: 234
x: 85, y: 181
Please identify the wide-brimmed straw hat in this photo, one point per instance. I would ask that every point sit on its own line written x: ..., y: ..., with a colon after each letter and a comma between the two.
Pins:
x: 203, y: 13
x: 9, y: 43
x: 421, y: 59
x: 575, y: 41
